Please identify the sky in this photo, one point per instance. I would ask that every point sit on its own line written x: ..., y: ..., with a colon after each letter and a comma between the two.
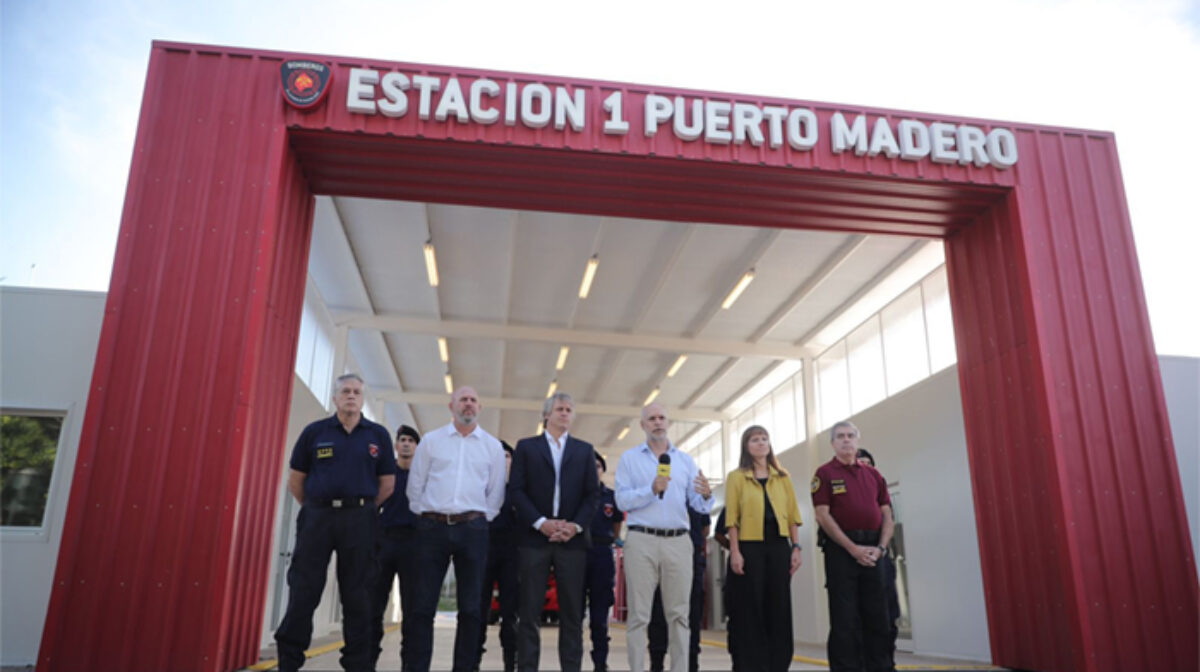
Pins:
x: 72, y: 74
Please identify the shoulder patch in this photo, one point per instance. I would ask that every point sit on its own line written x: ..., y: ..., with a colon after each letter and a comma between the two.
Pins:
x: 816, y: 483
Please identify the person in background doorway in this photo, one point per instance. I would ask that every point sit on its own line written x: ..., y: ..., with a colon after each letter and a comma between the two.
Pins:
x: 720, y: 535
x: 455, y: 487
x: 601, y: 569
x: 555, y: 491
x: 342, y: 468
x: 889, y: 571
x: 657, y: 630
x: 655, y: 494
x: 395, y: 548
x: 854, y: 511
x: 501, y: 573
x: 763, y: 518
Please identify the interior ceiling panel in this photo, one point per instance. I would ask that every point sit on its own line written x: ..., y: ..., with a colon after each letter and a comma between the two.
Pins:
x: 860, y: 271
x: 543, y: 239
x: 475, y: 261
x: 788, y: 264
x: 388, y: 238
x: 712, y: 260
x: 417, y: 362
x: 744, y: 371
x: 508, y: 299
x: 633, y: 255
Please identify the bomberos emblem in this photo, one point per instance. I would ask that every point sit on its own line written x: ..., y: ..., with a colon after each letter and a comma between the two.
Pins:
x: 305, y: 83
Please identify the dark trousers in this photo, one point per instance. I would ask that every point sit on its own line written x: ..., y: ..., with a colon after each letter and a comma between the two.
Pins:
x: 656, y: 631
x: 859, y: 638
x: 397, y: 560
x: 568, y: 564
x: 501, y: 572
x: 729, y: 598
x: 893, y: 601
x: 319, y: 533
x: 466, y: 545
x: 599, y: 578
x: 764, y: 607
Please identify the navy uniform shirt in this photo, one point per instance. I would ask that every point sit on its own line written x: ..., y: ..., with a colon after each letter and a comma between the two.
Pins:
x: 606, y: 515
x: 338, y: 464
x: 502, y: 529
x: 698, y: 521
x: 395, y: 511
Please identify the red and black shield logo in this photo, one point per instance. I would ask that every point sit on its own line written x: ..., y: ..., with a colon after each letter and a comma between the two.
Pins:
x: 305, y: 83
x: 373, y: 449
x: 608, y: 510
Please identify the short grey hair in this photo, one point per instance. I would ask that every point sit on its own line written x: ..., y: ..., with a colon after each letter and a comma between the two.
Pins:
x: 557, y: 397
x: 844, y: 423
x: 337, y: 384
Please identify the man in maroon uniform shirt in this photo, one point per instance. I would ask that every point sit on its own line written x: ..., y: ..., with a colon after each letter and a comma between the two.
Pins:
x: 855, y: 514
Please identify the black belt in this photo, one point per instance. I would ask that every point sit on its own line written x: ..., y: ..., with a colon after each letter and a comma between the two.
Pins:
x: 658, y: 532
x: 342, y: 502
x: 868, y: 537
x: 452, y: 518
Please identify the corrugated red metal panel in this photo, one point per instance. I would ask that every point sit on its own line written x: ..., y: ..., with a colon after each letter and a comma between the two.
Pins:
x: 167, y: 540
x: 1049, y: 311
x: 168, y: 531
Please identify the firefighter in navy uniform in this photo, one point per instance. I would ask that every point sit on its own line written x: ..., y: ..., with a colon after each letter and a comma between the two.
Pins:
x: 601, y: 570
x: 855, y: 513
x: 342, y: 469
x: 397, y: 535
x: 501, y: 573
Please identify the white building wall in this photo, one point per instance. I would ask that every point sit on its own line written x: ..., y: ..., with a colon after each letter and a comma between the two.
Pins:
x: 47, y: 348
x: 918, y: 440
x: 1181, y: 382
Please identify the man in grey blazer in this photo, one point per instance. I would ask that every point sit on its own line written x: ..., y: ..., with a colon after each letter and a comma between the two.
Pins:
x: 555, y: 491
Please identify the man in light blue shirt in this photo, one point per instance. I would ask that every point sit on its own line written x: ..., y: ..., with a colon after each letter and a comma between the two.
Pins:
x: 658, y: 550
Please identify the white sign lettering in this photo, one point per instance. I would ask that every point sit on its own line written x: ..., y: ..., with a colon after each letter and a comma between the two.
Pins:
x: 718, y: 122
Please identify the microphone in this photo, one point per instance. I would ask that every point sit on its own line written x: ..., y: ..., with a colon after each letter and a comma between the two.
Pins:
x: 664, y: 469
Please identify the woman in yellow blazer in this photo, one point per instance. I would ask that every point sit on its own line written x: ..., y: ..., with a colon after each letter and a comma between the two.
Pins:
x: 764, y: 544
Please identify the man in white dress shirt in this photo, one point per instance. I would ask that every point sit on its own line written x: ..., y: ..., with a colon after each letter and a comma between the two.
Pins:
x: 455, y: 486
x: 658, y: 549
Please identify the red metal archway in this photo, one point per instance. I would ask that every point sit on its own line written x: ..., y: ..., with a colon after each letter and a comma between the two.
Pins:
x: 1087, y: 562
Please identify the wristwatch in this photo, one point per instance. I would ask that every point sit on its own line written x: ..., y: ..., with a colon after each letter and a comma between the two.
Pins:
x: 882, y: 550
x: 798, y: 547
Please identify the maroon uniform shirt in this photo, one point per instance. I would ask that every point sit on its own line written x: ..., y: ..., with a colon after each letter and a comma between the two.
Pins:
x: 853, y: 493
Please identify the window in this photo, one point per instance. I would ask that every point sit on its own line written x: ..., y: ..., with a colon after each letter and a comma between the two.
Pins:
x: 314, y: 349
x: 783, y: 432
x: 904, y: 347
x: 833, y: 392
x: 28, y: 450
x: 939, y: 321
x: 865, y: 347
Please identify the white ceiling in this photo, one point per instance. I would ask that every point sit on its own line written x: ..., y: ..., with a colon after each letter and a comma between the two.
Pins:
x: 508, y: 299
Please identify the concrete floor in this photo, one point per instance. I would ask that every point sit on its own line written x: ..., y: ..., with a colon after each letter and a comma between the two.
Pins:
x: 713, y: 656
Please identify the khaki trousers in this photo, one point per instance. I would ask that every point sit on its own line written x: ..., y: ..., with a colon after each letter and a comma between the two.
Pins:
x: 664, y: 562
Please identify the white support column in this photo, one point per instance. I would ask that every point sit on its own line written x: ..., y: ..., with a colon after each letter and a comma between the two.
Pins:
x: 726, y: 439
x: 809, y: 374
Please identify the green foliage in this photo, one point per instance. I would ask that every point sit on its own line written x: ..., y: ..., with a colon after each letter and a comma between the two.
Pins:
x: 28, y: 446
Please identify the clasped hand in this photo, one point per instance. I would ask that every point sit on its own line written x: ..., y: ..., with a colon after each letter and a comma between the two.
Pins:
x: 867, y: 556
x: 558, y: 531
